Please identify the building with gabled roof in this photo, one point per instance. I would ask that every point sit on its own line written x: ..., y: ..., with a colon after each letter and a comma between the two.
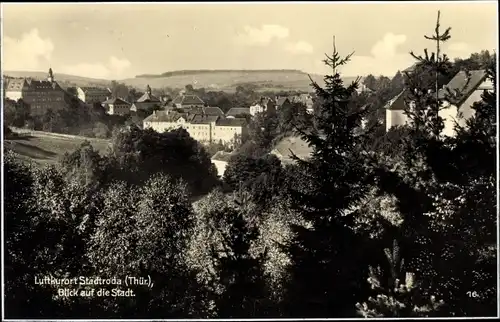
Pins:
x: 148, y: 97
x: 213, y: 110
x: 117, y: 106
x: 146, y: 101
x: 395, y: 108
x: 40, y: 95
x: 230, y: 131
x: 262, y: 105
x: 459, y: 95
x: 188, y: 101
x: 282, y: 101
x: 90, y: 95
x: 220, y: 160
x: 198, y: 126
x: 204, y: 128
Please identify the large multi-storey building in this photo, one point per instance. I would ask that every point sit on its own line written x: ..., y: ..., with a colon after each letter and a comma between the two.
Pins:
x: 92, y: 95
x: 116, y: 106
x: 201, y: 127
x: 229, y: 130
x: 40, y: 95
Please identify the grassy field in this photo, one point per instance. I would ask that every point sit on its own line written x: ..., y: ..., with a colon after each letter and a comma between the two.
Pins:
x: 214, y: 80
x: 48, y: 148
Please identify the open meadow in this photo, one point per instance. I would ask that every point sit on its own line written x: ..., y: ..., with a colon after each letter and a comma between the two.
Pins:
x: 44, y: 147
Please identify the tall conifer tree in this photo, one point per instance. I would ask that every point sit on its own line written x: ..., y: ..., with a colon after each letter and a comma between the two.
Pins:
x: 326, y: 274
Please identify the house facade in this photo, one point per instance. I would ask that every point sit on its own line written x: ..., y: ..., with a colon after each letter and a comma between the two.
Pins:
x: 201, y: 127
x: 395, y: 114
x: 117, y: 106
x: 454, y: 110
x: 220, y: 160
x: 262, y: 105
x: 459, y: 110
x: 40, y: 95
x: 229, y: 131
x: 91, y: 95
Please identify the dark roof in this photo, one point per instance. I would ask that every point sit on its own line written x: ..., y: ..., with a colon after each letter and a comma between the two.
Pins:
x: 264, y: 101
x: 213, y: 110
x: 42, y: 85
x: 204, y: 119
x: 115, y: 100
x: 463, y: 85
x: 282, y: 100
x: 164, y: 116
x: 411, y: 68
x: 235, y: 111
x: 294, y: 143
x: 188, y: 100
x: 95, y: 89
x: 145, y: 105
x: 148, y: 97
x: 398, y: 102
x: 231, y: 122
x: 222, y: 156
x: 17, y: 84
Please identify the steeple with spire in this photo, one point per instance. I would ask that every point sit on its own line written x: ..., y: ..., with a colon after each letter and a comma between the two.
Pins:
x: 148, y: 97
x: 50, y: 78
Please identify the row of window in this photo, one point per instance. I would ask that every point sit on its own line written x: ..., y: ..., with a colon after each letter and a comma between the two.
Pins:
x: 224, y: 129
x: 48, y: 99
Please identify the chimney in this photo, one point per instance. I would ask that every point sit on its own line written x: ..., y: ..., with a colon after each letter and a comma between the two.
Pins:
x: 154, y: 112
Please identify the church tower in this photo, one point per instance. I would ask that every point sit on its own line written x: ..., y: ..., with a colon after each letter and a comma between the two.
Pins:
x: 50, y: 78
x: 148, y: 90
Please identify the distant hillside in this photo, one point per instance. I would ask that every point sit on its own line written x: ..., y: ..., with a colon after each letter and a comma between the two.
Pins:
x: 228, y: 80
x: 217, y: 71
x: 62, y: 79
x: 216, y: 80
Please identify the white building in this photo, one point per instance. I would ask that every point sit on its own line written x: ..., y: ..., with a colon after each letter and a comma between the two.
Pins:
x: 229, y: 131
x: 455, y: 112
x: 220, y: 160
x: 458, y: 111
x: 201, y: 127
x: 395, y: 111
x: 262, y: 105
x: 91, y: 95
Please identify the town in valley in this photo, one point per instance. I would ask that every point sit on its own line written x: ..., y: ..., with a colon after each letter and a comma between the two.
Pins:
x: 229, y: 161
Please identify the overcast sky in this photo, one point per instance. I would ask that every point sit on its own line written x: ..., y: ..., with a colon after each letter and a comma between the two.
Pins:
x: 116, y: 41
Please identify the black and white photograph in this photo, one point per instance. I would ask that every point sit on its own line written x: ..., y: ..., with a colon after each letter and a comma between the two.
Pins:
x: 249, y: 160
